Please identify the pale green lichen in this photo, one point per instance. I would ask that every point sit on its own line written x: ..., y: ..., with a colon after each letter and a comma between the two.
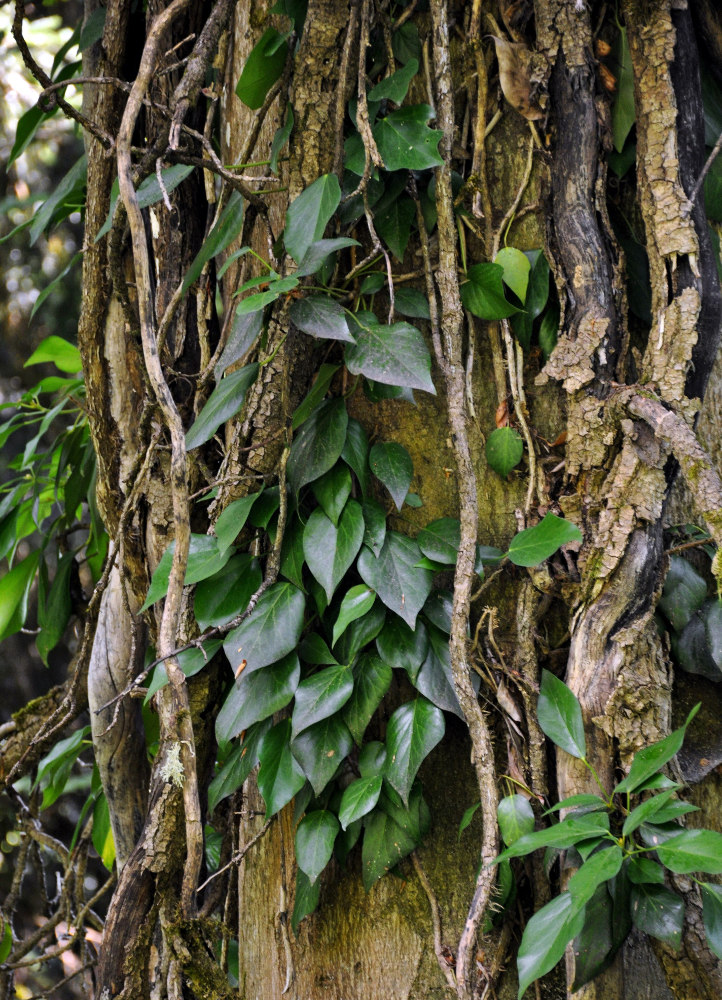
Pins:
x: 172, y: 767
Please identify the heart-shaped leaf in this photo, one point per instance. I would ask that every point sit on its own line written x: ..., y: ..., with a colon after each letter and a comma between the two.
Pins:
x: 483, y: 292
x: 391, y: 463
x: 385, y: 844
x: 395, y: 86
x: 332, y: 490
x: 515, y: 818
x: 405, y: 141
x: 309, y: 214
x: 659, y: 912
x: 270, y: 632
x: 231, y: 522
x: 560, y: 716
x: 355, y: 604
x: 257, y: 696
x: 395, y: 577
x: 318, y: 444
x: 321, y: 316
x: 221, y: 597
x: 504, y: 450
x: 516, y: 269
x: 358, y: 799
x: 262, y: 68
x: 413, y: 731
x: 355, y: 453
x: 533, y: 545
x: 204, y: 559
x: 280, y: 776
x: 372, y: 679
x: 237, y: 765
x: 375, y: 525
x: 402, y: 647
x: 330, y: 550
x: 315, y: 838
x: 320, y: 696
x: 223, y: 403
x: 321, y: 748
x: 395, y: 355
x: 440, y: 539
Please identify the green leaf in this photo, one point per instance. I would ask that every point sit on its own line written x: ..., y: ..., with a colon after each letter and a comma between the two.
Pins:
x: 277, y: 288
x: 393, y: 225
x: 405, y: 42
x: 504, y: 450
x: 395, y: 577
x: 305, y: 899
x: 315, y: 395
x: 14, y: 592
x: 375, y: 525
x: 191, y: 661
x: 658, y: 912
x: 315, y: 838
x: 560, y: 715
x: 357, y: 601
x: 359, y: 798
x: 645, y: 812
x: 693, y: 851
x: 280, y: 776
x: 391, y: 463
x: 321, y: 695
x: 411, y: 302
x: 221, y: 597
x: 54, y: 769
x: 413, y: 731
x: 102, y: 833
x: 533, y: 545
x: 57, y: 351
x: 641, y: 870
x: 515, y: 818
x: 292, y: 560
x: 330, y: 550
x: 149, y: 191
x: 548, y: 330
x: 594, y: 946
x: 516, y: 269
x: 402, y: 647
x: 283, y: 134
x: 204, y: 559
x: 483, y: 292
x: 318, y: 444
x: 468, y: 817
x: 440, y: 539
x: 684, y: 593
x: 309, y: 214
x: 270, y: 632
x: 245, y: 331
x: 315, y: 651
x: 222, y: 404
x: 584, y: 800
x: 623, y: 104
x: 54, y: 614
x: 92, y: 30
x: 332, y: 490
x: 395, y: 87
x: 385, y: 844
x: 372, y: 679
x: 546, y: 937
x: 360, y: 633
x: 600, y: 867
x: 318, y: 253
x: 262, y: 68
x: 651, y: 759
x: 537, y: 295
x: 64, y: 189
x: 321, y: 316
x: 237, y: 766
x: 394, y: 355
x: 712, y: 916
x: 571, y: 831
x: 405, y: 142
x: 257, y: 696
x: 355, y: 455
x: 372, y: 759
x: 6, y: 944
x: 321, y: 748
x: 226, y: 229
x: 231, y: 522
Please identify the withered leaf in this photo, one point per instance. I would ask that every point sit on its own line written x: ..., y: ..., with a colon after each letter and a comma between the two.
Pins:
x: 514, y: 75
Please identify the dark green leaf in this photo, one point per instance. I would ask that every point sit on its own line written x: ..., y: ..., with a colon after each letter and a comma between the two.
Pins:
x: 321, y: 748
x: 584, y: 801
x: 223, y: 403
x: 237, y: 766
x: 641, y: 870
x: 395, y: 355
x: 280, y: 775
x: 391, y: 463
x: 684, y: 592
x: 439, y: 540
x: 645, y: 812
x: 265, y: 507
x: 318, y: 253
x: 468, y: 817
x: 394, y: 576
x: 375, y: 524
x: 385, y: 844
x: 359, y: 798
x: 360, y: 633
x: 257, y: 696
x: 658, y: 912
x: 305, y: 900
x: 406, y: 142
x: 315, y: 838
x: 693, y: 851
x: 600, y: 867
x: 434, y: 680
x: 92, y: 30
x: 393, y: 225
x: 545, y: 938
x: 191, y: 661
x: 224, y: 232
x: 283, y: 134
x: 356, y: 603
x: 262, y: 68
x: 537, y: 296
x: 332, y: 490
x: 330, y: 550
x: 413, y: 731
x: 402, y: 647
x: 231, y: 522
x: 309, y: 214
x: 149, y: 191
x: 533, y: 545
x: 320, y: 696
x: 292, y: 560
x: 62, y: 192
x: 560, y: 715
x: 515, y: 818
x: 504, y: 450
x: 372, y: 759
x: 53, y: 617
x: 623, y: 104
x: 318, y: 444
x: 691, y: 648
x: 321, y: 316
x: 548, y: 330
x: 372, y: 679
x: 594, y: 946
x: 318, y: 391
x: 270, y: 632
x: 224, y: 595
x: 204, y: 559
x: 405, y: 42
x: 355, y: 455
x: 483, y: 292
x: 395, y: 87
x: 245, y: 331
x: 411, y: 302
x: 438, y: 609
x: 712, y: 916
x: 571, y: 831
x: 315, y: 651
x: 57, y: 351
x: 651, y: 759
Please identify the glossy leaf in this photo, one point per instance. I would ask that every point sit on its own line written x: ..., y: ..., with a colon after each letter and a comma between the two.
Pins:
x: 645, y: 812
x: 222, y: 404
x: 232, y: 520
x: 439, y: 540
x: 358, y: 799
x: 314, y: 842
x: 224, y: 232
x: 321, y: 748
x: 504, y: 450
x: 54, y: 615
x: 226, y: 594
x: 405, y: 142
x: 191, y: 661
x: 600, y: 867
x: 245, y: 331
x: 659, y: 912
x: 360, y: 633
x: 204, y: 559
x: 571, y: 831
x: 372, y: 759
x: 332, y: 490
x: 641, y: 870
x: 371, y: 681
x: 594, y: 947
x: 393, y: 225
x: 305, y: 899
x: 270, y: 632
x: 237, y: 766
x: 391, y: 463
x: 309, y: 214
x: 385, y: 844
x: 292, y: 561
x: 375, y: 525
x: 321, y: 316
x: 319, y: 252
x: 395, y: 577
x: 280, y: 775
x: 434, y: 680
x: 395, y: 355
x: 402, y: 647
x: 314, y: 650
x: 412, y: 733
x: 516, y: 269
x: 356, y: 603
x: 58, y: 352
x: 545, y: 938
x: 483, y: 292
x: 318, y: 444
x: 102, y: 833
x: 537, y: 296
x: 256, y: 696
x: 693, y: 851
x: 330, y: 550
x: 515, y: 818
x: 623, y: 105
x: 533, y: 545
x: 411, y: 302
x: 276, y: 288
x: 262, y: 68
x: 712, y: 916
x: 355, y: 454
x: 651, y: 759
x: 560, y: 715
x: 321, y: 695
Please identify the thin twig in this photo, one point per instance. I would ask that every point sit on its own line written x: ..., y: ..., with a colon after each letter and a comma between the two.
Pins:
x: 239, y: 856
x: 705, y: 170
x: 435, y: 920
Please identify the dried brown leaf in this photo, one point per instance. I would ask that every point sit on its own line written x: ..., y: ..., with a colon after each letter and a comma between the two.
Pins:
x: 515, y: 76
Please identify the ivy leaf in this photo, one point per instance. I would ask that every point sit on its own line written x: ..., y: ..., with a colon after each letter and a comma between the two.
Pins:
x: 407, y: 143
x: 355, y: 455
x: 309, y: 214
x: 231, y: 522
x: 375, y: 522
x: 483, y: 292
x: 315, y: 651
x: 222, y: 404
x: 204, y: 559
x: 395, y: 577
x: 651, y: 759
x: 191, y: 661
x: 515, y: 818
x: 385, y: 844
x: 372, y: 679
x: 413, y: 732
x: 315, y: 396
x: 262, y: 68
x: 237, y: 766
x: 623, y: 104
x: 221, y: 597
x: 533, y: 545
x: 292, y: 553
x: 394, y: 225
x: 548, y: 330
x: 355, y: 604
x: 305, y: 899
x: 692, y: 851
x: 257, y: 696
x: 516, y: 268
x: 402, y: 647
x: 245, y: 331
x: 504, y: 449
x: 560, y: 716
x: 149, y: 191
x: 321, y: 748
x: 270, y: 632
x: 395, y: 87
x: 358, y: 799
x: 280, y: 776
x: 319, y: 252
x: 372, y: 759
x: 545, y: 938
x: 440, y: 540
x: 434, y: 680
x: 684, y: 593
x: 320, y: 696
x: 391, y: 463
x: 330, y: 550
x: 712, y: 916
x: 321, y: 316
x: 315, y: 838
x: 360, y: 633
x: 332, y: 490
x: 395, y: 355
x: 224, y: 232
x: 411, y: 302
x: 659, y: 912
x: 318, y: 444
